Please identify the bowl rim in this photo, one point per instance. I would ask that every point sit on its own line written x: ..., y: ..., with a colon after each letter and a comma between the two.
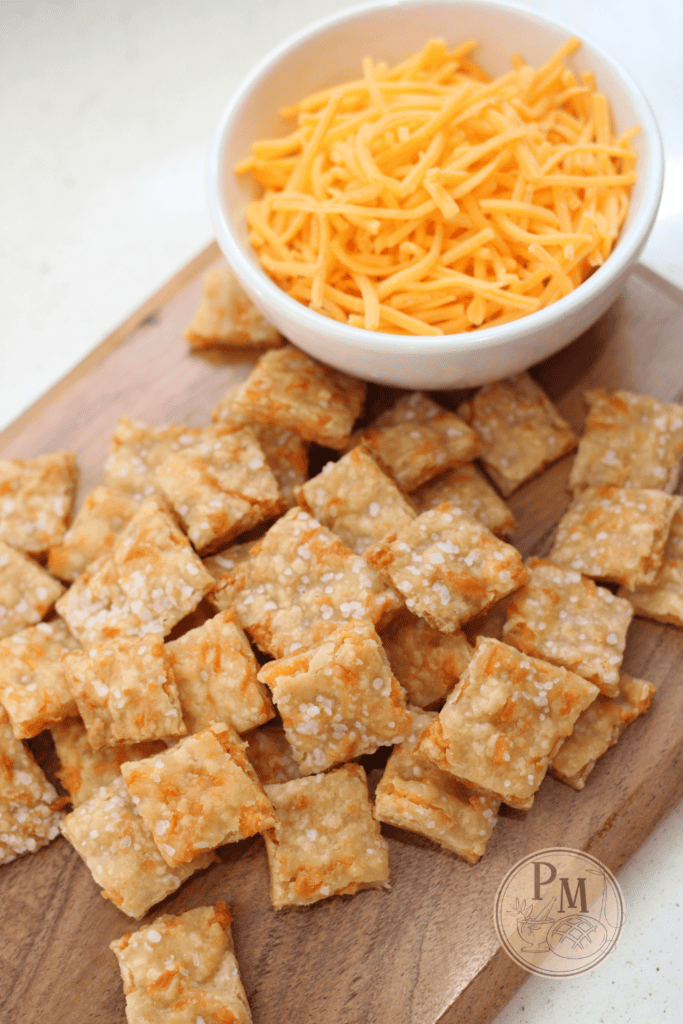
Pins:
x: 262, y: 287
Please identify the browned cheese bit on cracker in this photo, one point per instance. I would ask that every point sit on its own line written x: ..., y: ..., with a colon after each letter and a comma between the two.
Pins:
x: 563, y: 617
x: 426, y: 662
x: 29, y: 805
x: 93, y: 533
x: 36, y: 498
x: 151, y: 581
x: 125, y: 692
x: 299, y: 584
x: 271, y: 754
x: 290, y: 390
x: 598, y: 728
x: 286, y: 451
x: 467, y: 489
x: 629, y: 441
x: 33, y: 687
x: 227, y: 318
x: 356, y: 500
x: 328, y: 843
x: 215, y: 671
x: 220, y: 487
x: 520, y: 430
x: 199, y: 794
x: 663, y: 598
x: 414, y: 795
x: 615, y: 534
x: 416, y: 439
x: 183, y: 970
x: 118, y: 849
x: 338, y: 699
x: 448, y: 567
x: 27, y: 592
x: 83, y: 771
x: 501, y: 727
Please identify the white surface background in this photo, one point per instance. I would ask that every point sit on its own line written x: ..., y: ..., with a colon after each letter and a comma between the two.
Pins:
x: 106, y: 112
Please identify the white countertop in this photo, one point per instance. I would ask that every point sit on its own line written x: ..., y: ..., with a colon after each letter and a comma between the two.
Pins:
x: 106, y: 112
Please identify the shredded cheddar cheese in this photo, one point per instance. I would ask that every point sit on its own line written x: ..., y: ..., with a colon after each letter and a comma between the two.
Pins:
x: 428, y: 199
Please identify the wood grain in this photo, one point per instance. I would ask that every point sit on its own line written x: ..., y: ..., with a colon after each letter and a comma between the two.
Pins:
x: 425, y: 951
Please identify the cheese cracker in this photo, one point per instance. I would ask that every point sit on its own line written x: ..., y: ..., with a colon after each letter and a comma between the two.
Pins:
x: 33, y: 687
x: 519, y: 428
x: 227, y: 318
x: 338, y: 699
x: 300, y: 583
x: 328, y: 843
x: 36, y: 497
x: 629, y: 441
x: 29, y: 805
x: 501, y: 727
x: 289, y: 389
x: 27, y: 592
x: 414, y: 795
x: 615, y: 534
x: 199, y: 794
x: 182, y: 969
x: 448, y: 567
x: 563, y: 617
x: 598, y: 728
x: 117, y: 847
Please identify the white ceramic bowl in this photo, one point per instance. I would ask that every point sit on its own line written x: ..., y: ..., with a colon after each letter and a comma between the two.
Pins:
x: 331, y: 52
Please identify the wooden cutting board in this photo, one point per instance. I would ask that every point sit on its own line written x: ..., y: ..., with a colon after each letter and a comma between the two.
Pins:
x: 426, y: 951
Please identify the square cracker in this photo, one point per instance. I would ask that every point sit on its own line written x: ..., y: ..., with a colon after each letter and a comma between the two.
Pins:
x: 467, y: 489
x: 27, y: 592
x: 152, y: 580
x: 215, y: 671
x: 286, y: 451
x: 84, y: 771
x: 448, y: 567
x: 137, y: 449
x: 501, y: 727
x: 663, y: 598
x: 271, y: 754
x: 99, y: 521
x: 117, y: 847
x: 426, y: 662
x: 417, y: 439
x: 183, y: 969
x: 220, y: 487
x: 29, y: 805
x: 339, y: 699
x: 289, y: 389
x: 598, y: 728
x: 36, y: 497
x: 356, y: 500
x: 520, y: 430
x: 227, y: 318
x: 328, y: 843
x: 563, y: 617
x: 414, y: 795
x: 629, y: 441
x: 125, y: 692
x: 299, y: 584
x: 199, y: 794
x: 615, y: 534
x: 33, y: 686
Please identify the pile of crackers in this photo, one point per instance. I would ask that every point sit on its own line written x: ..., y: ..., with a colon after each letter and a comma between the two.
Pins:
x: 216, y: 639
